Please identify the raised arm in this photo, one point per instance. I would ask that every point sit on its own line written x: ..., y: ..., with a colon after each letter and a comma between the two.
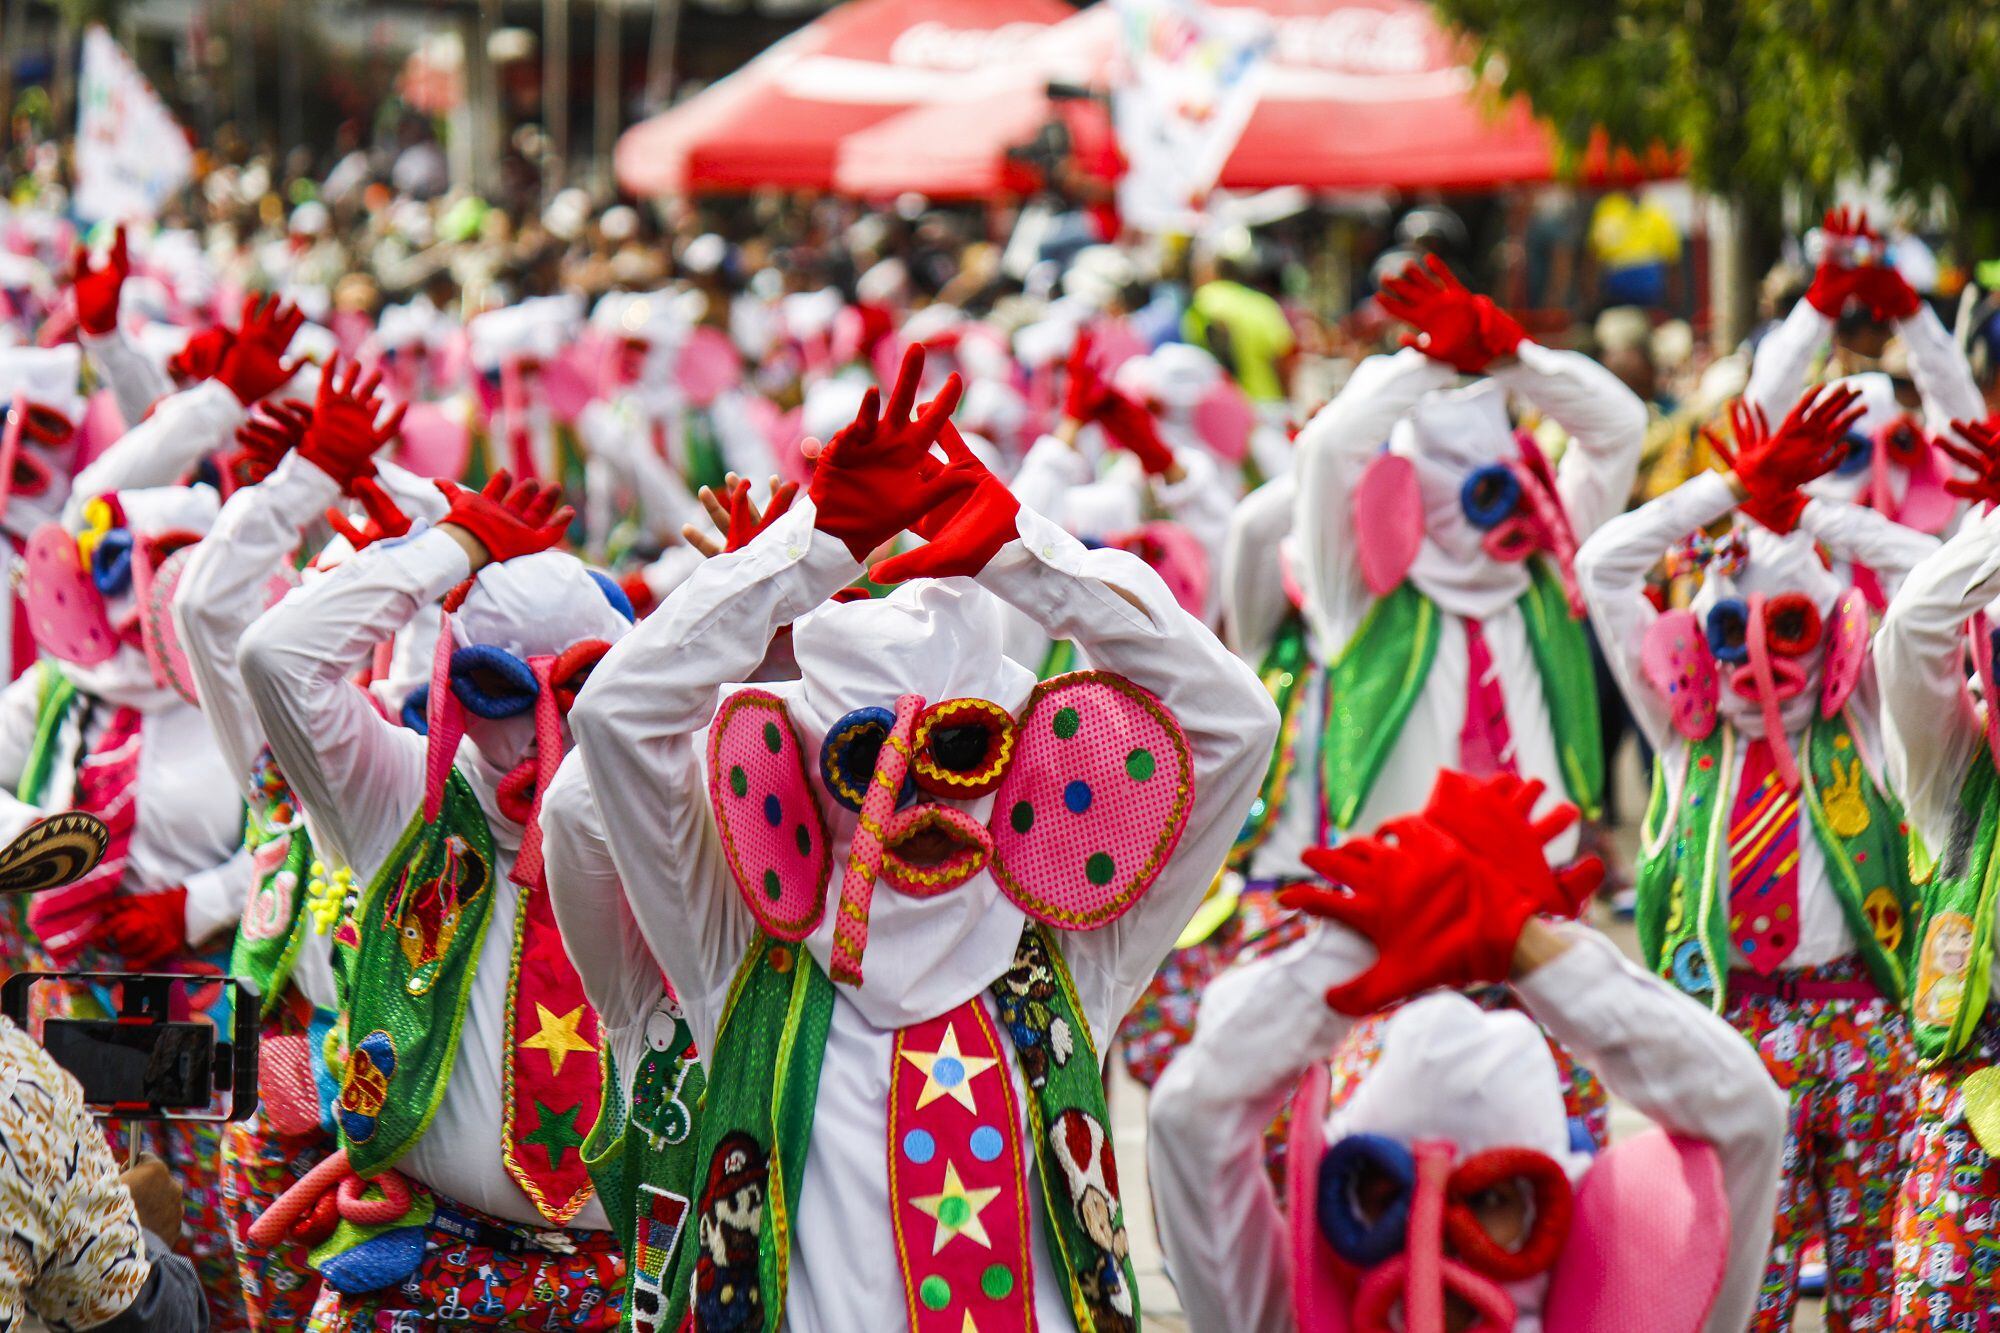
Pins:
x: 1202, y: 502
x: 1684, y: 1069
x: 360, y: 776
x: 1125, y: 620
x: 164, y: 448
x: 136, y: 380
x: 1864, y: 537
x: 1254, y: 601
x: 1605, y: 420
x: 1611, y: 569
x: 1930, y: 734
x: 1782, y: 360
x: 605, y: 944
x: 1938, y: 365
x: 222, y: 592
x: 638, y: 725
x: 1221, y: 1225
x: 1333, y: 451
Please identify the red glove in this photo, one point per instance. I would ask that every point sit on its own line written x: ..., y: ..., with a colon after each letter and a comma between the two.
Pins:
x: 1773, y: 467
x: 745, y: 523
x: 969, y: 515
x: 97, y: 288
x: 344, y: 436
x: 385, y: 517
x: 262, y: 441
x: 201, y: 356
x: 1130, y: 426
x: 508, y: 520
x: 1453, y: 325
x: 255, y: 365
x: 1979, y: 456
x: 861, y: 486
x: 1887, y: 293
x: 1495, y: 817
x: 1084, y: 394
x: 1833, y: 284
x: 145, y: 929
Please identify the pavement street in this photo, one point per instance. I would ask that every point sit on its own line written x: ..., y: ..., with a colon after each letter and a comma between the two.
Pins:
x: 1158, y: 1303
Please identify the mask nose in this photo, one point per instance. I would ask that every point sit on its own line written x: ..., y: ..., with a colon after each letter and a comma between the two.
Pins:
x: 864, y: 858
x: 1764, y: 675
x: 1421, y: 1277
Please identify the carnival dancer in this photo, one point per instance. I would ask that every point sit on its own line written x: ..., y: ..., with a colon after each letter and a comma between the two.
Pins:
x: 1940, y: 739
x: 1891, y: 462
x: 38, y: 452
x: 634, y: 434
x: 471, y: 1072
x: 1435, y: 574
x: 135, y: 379
x: 1063, y: 835
x: 1448, y: 1192
x: 1773, y: 882
x: 510, y: 349
x: 301, y: 462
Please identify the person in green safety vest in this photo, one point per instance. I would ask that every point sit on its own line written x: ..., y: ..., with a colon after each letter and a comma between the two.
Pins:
x: 1773, y: 880
x: 1939, y: 732
x: 905, y: 899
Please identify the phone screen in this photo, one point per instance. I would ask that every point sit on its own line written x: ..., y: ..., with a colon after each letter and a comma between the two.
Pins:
x: 168, y: 1066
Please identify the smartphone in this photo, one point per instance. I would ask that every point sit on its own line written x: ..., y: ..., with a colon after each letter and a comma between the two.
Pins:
x: 154, y: 1058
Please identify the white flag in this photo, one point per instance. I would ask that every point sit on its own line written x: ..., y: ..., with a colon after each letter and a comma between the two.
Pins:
x: 130, y: 153
x: 1183, y: 88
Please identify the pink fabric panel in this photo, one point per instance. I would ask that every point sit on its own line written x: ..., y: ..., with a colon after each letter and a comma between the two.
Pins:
x: 772, y: 830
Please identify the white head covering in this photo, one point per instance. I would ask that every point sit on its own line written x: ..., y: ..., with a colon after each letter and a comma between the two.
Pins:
x: 941, y: 639
x: 1448, y: 435
x: 46, y: 374
x: 126, y: 678
x: 1775, y: 564
x: 537, y: 327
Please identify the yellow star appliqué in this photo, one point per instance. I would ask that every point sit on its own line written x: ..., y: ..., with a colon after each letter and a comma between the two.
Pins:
x: 957, y: 1211
x: 557, y: 1036
x: 948, y: 1072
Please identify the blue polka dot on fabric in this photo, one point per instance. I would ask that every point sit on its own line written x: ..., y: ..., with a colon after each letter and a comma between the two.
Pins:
x: 919, y: 1146
x: 774, y: 813
x: 948, y: 1072
x: 1077, y: 796
x: 986, y: 1143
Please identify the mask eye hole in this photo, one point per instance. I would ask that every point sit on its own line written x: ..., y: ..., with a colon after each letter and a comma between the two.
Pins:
x: 963, y: 748
x: 1905, y: 442
x: 1490, y: 495
x: 1857, y: 454
x: 1365, y: 1186
x: 847, y: 757
x: 111, y: 562
x: 491, y: 682
x: 1792, y: 625
x: 1729, y: 631
x: 416, y: 710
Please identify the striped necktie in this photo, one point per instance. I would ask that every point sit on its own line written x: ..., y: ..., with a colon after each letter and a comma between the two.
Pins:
x: 107, y: 785
x: 1485, y: 742
x: 1764, y: 863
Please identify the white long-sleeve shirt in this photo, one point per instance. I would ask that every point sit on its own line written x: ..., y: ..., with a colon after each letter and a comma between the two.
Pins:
x: 221, y: 594
x: 164, y: 448
x: 1612, y: 569
x: 136, y: 380
x: 1606, y: 425
x: 1943, y: 377
x: 362, y: 778
x: 622, y: 459
x: 1263, y: 1025
x: 1931, y: 729
x: 641, y: 730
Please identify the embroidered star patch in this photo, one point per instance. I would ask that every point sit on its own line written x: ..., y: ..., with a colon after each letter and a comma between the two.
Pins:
x: 557, y: 1036
x: 948, y: 1072
x: 957, y: 1211
x: 556, y: 1132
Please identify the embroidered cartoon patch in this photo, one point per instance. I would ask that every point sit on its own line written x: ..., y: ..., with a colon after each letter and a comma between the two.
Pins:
x: 1091, y: 1173
x: 426, y: 916
x: 1042, y: 1039
x: 661, y: 1213
x: 1947, y: 953
x: 726, y: 1291
x: 365, y: 1089
x: 268, y: 914
x: 657, y: 1109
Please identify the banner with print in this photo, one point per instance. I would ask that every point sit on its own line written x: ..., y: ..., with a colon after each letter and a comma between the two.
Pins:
x: 1184, y: 83
x: 130, y: 153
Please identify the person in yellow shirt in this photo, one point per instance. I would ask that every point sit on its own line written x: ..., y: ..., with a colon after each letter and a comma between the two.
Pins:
x: 1634, y: 245
x: 1245, y: 328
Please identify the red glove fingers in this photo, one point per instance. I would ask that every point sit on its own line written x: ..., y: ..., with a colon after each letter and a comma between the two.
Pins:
x: 346, y: 433
x: 508, y: 520
x: 1132, y: 428
x: 745, y: 523
x: 98, y: 288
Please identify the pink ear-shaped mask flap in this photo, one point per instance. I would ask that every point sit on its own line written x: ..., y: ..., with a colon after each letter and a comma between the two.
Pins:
x: 1649, y: 1243
x: 773, y: 831
x: 1094, y: 802
x: 1177, y: 556
x: 1224, y: 419
x: 65, y: 609
x: 708, y: 365
x: 435, y: 442
x: 445, y: 717
x: 1927, y: 506
x: 1846, y: 652
x: 1676, y: 662
x: 157, y: 631
x: 1322, y: 1289
x: 103, y: 425
x: 1388, y: 521
x: 569, y: 380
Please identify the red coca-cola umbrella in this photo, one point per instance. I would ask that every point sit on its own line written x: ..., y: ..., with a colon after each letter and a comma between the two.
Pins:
x: 1357, y: 94
x: 777, y: 122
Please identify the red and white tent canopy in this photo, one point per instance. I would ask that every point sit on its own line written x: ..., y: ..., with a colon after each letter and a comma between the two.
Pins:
x: 777, y: 122
x: 1359, y: 94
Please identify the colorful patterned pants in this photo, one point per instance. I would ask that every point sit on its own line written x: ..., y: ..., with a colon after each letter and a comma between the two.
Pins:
x: 1847, y: 1067
x: 1163, y: 1019
x: 258, y: 1164
x: 511, y: 1277
x: 1584, y: 1100
x: 1948, y: 1211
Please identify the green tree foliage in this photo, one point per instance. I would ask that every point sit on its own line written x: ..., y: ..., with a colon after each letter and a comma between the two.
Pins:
x: 1764, y: 94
